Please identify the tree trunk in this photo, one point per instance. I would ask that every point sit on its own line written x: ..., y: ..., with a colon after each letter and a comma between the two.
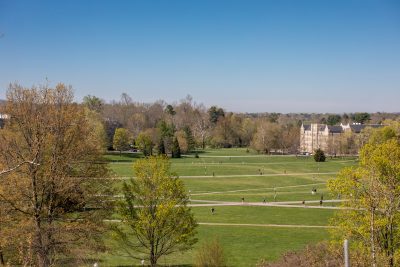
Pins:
x: 372, y: 229
x: 153, y: 259
x: 2, y: 257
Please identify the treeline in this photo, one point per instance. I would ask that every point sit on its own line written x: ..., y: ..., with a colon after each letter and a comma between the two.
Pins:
x: 164, y: 128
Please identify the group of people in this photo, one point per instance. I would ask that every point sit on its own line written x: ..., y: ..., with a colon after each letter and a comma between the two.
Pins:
x: 313, y: 191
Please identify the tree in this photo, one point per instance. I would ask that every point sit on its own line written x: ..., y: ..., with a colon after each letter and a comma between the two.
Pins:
x: 170, y: 110
x: 161, y: 147
x: 372, y: 217
x: 189, y: 138
x: 121, y: 139
x: 361, y: 117
x: 319, y: 155
x: 93, y: 103
x: 201, y: 125
x: 145, y: 144
x: 333, y: 119
x: 215, y: 113
x: 176, y: 150
x: 55, y: 147
x: 267, y: 136
x: 166, y: 132
x: 155, y: 212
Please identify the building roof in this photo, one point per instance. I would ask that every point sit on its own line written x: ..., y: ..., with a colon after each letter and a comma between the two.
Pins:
x: 335, y: 129
x: 357, y: 128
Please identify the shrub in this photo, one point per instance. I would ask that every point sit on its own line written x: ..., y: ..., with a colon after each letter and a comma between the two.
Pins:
x: 319, y: 155
x: 210, y: 254
x: 319, y: 255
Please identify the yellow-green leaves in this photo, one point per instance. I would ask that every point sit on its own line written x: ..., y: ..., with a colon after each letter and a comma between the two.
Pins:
x: 371, y: 194
x: 155, y: 208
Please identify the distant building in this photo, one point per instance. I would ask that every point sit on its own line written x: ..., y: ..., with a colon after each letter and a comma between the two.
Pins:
x: 314, y: 136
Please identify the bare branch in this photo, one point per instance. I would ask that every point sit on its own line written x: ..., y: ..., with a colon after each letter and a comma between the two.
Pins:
x: 18, y: 166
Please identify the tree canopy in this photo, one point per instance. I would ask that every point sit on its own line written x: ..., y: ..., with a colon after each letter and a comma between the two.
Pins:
x: 372, y: 191
x: 155, y: 211
x: 55, y: 146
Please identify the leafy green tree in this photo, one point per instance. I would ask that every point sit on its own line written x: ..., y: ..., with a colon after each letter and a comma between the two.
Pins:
x: 161, y: 147
x: 372, y: 217
x: 169, y: 109
x: 319, y: 155
x: 361, y: 117
x: 145, y: 144
x: 166, y: 132
x: 155, y: 212
x: 121, y: 139
x: 93, y: 103
x: 215, y: 113
x: 176, y: 150
x: 333, y: 119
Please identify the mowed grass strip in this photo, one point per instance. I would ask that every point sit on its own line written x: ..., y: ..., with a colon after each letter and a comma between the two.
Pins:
x: 263, y: 215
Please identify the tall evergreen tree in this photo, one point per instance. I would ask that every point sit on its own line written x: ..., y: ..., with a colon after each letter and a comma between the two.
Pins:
x: 176, y: 150
x: 191, y: 144
x: 161, y: 147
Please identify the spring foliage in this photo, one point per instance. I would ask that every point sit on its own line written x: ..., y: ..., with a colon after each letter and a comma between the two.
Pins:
x: 372, y: 189
x: 155, y: 212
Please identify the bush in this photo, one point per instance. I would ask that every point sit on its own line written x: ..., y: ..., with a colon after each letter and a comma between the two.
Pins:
x: 319, y: 155
x: 319, y: 255
x: 210, y: 254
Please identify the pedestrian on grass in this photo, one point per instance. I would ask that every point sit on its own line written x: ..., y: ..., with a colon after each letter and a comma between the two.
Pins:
x: 212, y: 211
x: 242, y: 200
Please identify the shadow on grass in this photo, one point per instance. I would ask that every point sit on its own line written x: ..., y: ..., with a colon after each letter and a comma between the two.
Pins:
x: 160, y: 265
x: 124, y: 156
x: 92, y: 261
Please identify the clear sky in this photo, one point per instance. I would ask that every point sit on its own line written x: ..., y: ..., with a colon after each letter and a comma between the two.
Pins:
x: 247, y: 56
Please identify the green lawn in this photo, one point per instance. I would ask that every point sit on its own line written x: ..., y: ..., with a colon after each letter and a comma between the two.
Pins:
x: 244, y: 246
x: 237, y: 175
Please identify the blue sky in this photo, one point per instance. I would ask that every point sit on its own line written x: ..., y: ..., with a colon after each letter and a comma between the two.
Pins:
x: 246, y: 56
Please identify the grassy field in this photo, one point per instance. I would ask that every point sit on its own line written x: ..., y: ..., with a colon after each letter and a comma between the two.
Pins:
x: 248, y: 233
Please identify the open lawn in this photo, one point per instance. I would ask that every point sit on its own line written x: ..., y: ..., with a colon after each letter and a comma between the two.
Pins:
x: 248, y: 233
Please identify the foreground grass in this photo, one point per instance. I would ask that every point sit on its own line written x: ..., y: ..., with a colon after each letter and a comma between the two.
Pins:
x: 244, y: 246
